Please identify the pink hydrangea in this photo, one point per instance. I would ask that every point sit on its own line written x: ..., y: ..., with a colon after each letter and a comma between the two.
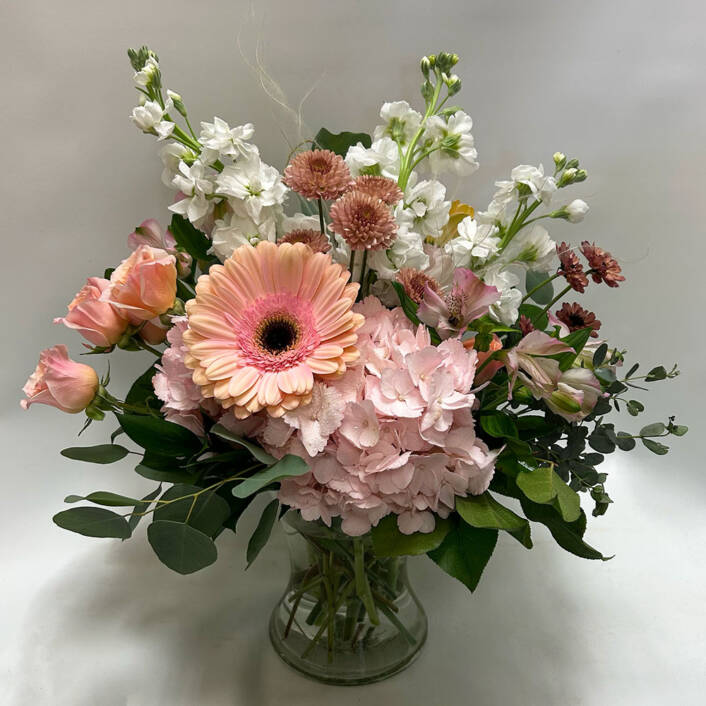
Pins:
x: 399, y: 438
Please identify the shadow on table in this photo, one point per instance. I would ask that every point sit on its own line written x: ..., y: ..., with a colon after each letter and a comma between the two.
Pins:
x: 116, y: 628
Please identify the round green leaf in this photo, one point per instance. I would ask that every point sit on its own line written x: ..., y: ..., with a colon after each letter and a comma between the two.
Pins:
x: 93, y: 522
x: 206, y: 512
x: 181, y: 547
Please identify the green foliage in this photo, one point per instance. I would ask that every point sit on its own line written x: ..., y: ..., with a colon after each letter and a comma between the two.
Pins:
x: 262, y: 532
x: 389, y: 541
x: 544, y: 294
x: 93, y: 522
x: 141, y: 393
x: 202, y: 509
x: 142, y: 507
x: 542, y: 485
x: 499, y: 425
x: 464, y: 552
x: 340, y: 142
x: 161, y: 476
x: 287, y: 466
x: 408, y: 305
x: 257, y: 452
x: 577, y: 340
x: 103, y: 453
x: 103, y: 497
x: 159, y: 436
x: 485, y: 512
x: 181, y: 547
x: 189, y: 238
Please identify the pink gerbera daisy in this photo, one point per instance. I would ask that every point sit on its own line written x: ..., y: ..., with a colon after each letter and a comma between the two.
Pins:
x: 266, y: 323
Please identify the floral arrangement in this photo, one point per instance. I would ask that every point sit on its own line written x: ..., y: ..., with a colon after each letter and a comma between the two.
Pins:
x: 389, y: 362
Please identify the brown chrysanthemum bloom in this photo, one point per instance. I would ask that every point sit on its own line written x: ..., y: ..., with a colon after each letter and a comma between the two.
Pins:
x: 525, y: 324
x: 315, y: 239
x: 415, y: 283
x: 363, y: 221
x: 605, y: 267
x: 380, y: 187
x: 576, y: 317
x: 318, y: 174
x: 571, y: 268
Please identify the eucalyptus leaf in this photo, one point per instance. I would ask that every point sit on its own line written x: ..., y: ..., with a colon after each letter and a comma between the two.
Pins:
x: 141, y: 392
x: 159, y: 436
x: 258, y: 453
x: 93, y: 522
x: 181, y: 547
x: 262, y: 532
x: 143, y: 507
x: 389, y: 541
x: 656, y: 429
x: 286, y: 467
x: 656, y: 447
x: 176, y: 476
x: 544, y: 294
x: 206, y: 511
x: 103, y: 453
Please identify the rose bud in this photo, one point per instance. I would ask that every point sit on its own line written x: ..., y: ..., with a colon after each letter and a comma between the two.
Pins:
x: 61, y: 382
x: 97, y: 321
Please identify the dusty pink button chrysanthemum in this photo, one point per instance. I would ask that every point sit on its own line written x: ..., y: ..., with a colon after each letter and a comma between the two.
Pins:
x: 363, y: 221
x: 318, y: 174
x: 315, y: 239
x: 266, y: 323
x: 379, y: 186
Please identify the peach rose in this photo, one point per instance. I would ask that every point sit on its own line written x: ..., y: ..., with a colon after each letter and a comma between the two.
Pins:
x: 60, y: 382
x: 144, y: 285
x: 97, y: 321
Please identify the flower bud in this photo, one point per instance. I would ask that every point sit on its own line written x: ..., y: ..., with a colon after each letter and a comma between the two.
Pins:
x: 572, y: 163
x: 178, y: 103
x: 427, y: 91
x: 61, y: 382
x: 425, y: 66
x: 576, y: 210
x: 559, y: 160
x: 581, y: 175
x: 568, y: 177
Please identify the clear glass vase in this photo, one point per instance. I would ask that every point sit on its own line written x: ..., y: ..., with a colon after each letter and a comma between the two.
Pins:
x: 347, y: 616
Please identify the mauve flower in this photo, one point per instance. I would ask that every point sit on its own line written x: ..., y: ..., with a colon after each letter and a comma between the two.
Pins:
x: 468, y: 299
x: 576, y: 317
x: 97, y: 321
x: 525, y: 324
x: 415, y: 283
x: 315, y: 239
x: 379, y: 187
x: 144, y: 285
x: 605, y: 267
x: 150, y: 232
x: 61, y: 382
x: 363, y: 221
x: 266, y: 322
x: 318, y: 174
x: 571, y: 267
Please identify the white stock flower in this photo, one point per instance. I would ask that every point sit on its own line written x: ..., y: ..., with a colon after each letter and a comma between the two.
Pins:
x: 221, y: 140
x: 194, y: 183
x: 252, y: 182
x: 506, y: 310
x: 382, y: 157
x: 236, y: 230
x: 144, y: 77
x: 531, y: 248
x: 401, y: 122
x: 407, y: 250
x: 542, y: 187
x: 423, y: 208
x: 299, y: 221
x: 171, y: 156
x: 576, y: 211
x: 148, y: 118
x: 473, y: 242
x: 455, y: 145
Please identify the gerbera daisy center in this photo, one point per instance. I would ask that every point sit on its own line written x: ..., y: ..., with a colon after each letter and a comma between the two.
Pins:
x: 278, y: 333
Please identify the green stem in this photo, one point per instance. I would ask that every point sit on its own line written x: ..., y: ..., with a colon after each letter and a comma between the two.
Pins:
x: 539, y: 286
x: 146, y: 347
x: 362, y: 586
x: 322, y: 224
x: 564, y: 291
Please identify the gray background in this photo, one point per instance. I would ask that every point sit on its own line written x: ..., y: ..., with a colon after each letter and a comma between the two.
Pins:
x: 621, y: 85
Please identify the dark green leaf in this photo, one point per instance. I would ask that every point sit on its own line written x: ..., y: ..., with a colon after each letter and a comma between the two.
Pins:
x: 635, y: 407
x: 632, y: 370
x: 103, y: 453
x: 600, y: 354
x: 658, y: 373
x: 144, y: 505
x: 656, y: 429
x: 535, y: 314
x: 408, y: 306
x: 287, y: 466
x: 159, y: 436
x: 262, y: 532
x: 389, y: 541
x: 544, y: 294
x: 102, y: 497
x: 577, y: 340
x: 498, y: 425
x: 206, y: 511
x: 341, y: 142
x: 656, y: 447
x: 115, y: 435
x: 175, y: 476
x: 181, y: 547
x: 600, y: 442
x: 625, y: 441
x: 141, y: 393
x: 257, y: 451
x: 93, y: 522
x: 679, y: 430
x: 189, y: 238
x: 485, y: 512
x: 465, y: 552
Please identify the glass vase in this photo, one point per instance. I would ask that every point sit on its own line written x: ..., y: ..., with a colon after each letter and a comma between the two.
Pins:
x: 347, y: 616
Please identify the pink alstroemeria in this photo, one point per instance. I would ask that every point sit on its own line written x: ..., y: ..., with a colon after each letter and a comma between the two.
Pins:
x: 468, y: 299
x: 528, y: 362
x: 150, y: 233
x: 576, y: 394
